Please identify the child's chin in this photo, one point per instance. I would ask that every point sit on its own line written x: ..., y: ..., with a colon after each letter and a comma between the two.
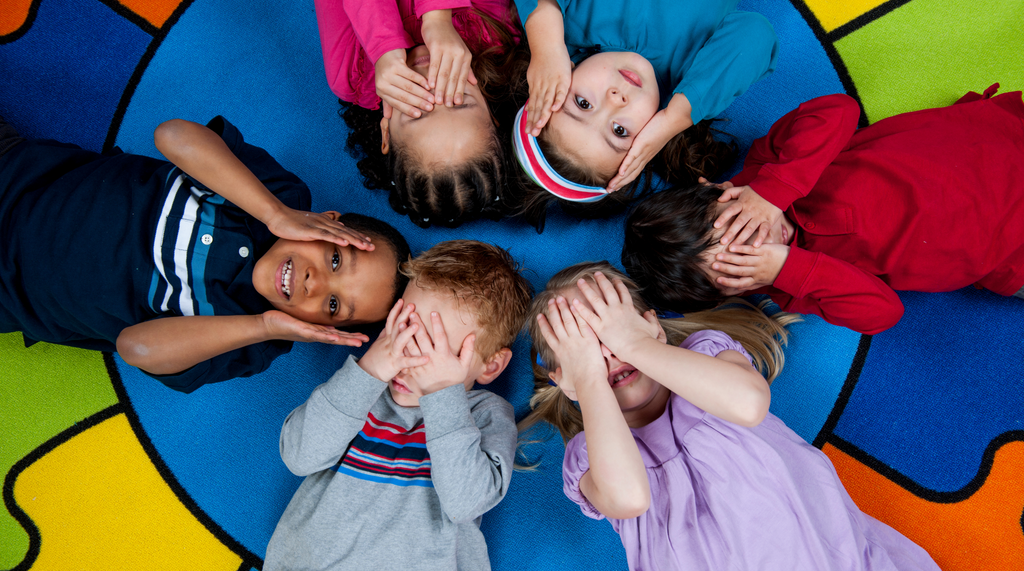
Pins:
x: 403, y: 399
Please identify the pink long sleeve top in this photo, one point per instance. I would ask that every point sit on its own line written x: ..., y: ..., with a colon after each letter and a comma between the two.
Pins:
x: 355, y: 33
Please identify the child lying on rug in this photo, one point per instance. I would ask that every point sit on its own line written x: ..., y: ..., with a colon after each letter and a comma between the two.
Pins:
x: 149, y: 257
x: 828, y: 219
x: 423, y: 78
x: 675, y: 444
x: 663, y: 69
x: 402, y: 457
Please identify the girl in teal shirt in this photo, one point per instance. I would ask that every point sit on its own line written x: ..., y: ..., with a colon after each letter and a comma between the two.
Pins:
x: 613, y: 82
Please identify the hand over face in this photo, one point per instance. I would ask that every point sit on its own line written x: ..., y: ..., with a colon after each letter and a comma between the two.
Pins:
x: 387, y: 356
x: 280, y: 325
x: 400, y: 87
x: 441, y: 367
x: 298, y: 225
x: 574, y: 344
x: 747, y: 268
x: 449, y: 58
x: 749, y: 213
x: 614, y: 318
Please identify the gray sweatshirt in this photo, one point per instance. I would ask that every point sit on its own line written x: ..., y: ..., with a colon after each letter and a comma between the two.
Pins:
x: 390, y: 487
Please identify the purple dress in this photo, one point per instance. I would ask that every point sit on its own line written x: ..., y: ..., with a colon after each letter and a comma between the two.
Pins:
x: 726, y: 497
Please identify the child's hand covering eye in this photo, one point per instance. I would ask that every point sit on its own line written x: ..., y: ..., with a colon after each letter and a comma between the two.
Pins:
x: 280, y: 325
x: 401, y: 87
x: 441, y: 368
x: 651, y: 139
x: 298, y: 225
x: 449, y: 58
x: 751, y: 212
x: 614, y: 319
x: 573, y: 342
x: 386, y: 357
x: 748, y: 268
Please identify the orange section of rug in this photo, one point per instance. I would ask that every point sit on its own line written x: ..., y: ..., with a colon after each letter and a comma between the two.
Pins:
x: 155, y: 12
x: 13, y: 14
x: 980, y: 533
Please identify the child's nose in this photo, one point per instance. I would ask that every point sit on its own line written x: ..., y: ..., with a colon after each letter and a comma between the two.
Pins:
x: 313, y: 282
x: 617, y: 97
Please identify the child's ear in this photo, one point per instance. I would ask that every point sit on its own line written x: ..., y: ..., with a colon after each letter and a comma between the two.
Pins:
x: 385, y: 136
x: 556, y: 377
x: 333, y: 215
x: 494, y: 365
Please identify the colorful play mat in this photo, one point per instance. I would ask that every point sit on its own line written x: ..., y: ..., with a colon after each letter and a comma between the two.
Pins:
x: 104, y: 468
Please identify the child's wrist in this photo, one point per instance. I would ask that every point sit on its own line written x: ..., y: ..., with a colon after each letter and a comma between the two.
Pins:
x: 680, y: 112
x: 437, y: 16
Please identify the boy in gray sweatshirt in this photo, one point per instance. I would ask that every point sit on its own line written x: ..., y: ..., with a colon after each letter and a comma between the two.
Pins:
x: 401, y: 456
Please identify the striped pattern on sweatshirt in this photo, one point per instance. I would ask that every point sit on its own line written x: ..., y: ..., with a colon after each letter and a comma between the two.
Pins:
x: 389, y: 454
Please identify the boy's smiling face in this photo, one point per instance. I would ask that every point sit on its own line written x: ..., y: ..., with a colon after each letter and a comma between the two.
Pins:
x: 324, y: 283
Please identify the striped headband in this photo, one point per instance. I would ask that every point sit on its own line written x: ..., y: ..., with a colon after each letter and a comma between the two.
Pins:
x: 536, y: 166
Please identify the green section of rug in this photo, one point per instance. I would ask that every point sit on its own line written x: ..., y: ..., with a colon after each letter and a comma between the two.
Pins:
x: 44, y: 390
x: 927, y: 53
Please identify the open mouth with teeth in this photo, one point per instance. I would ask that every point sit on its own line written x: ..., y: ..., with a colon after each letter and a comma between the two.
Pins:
x: 623, y: 377
x: 286, y: 279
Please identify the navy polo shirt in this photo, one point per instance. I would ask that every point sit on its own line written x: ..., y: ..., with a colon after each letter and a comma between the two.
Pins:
x: 93, y: 244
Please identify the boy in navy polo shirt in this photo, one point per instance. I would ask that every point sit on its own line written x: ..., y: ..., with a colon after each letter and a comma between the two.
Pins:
x: 197, y: 270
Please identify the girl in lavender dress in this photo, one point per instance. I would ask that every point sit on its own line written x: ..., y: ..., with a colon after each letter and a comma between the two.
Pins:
x: 675, y: 444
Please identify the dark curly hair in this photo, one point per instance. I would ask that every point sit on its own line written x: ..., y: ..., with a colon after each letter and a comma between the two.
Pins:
x: 692, y: 154
x: 667, y: 235
x: 455, y: 194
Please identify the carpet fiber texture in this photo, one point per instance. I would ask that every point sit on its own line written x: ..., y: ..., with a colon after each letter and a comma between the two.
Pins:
x: 104, y: 468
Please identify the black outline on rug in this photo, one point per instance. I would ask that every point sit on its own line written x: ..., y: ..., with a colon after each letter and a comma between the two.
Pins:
x: 19, y: 515
x: 864, y: 19
x: 249, y: 559
x: 934, y: 496
x: 33, y: 10
x: 140, y: 69
x: 123, y: 11
x: 833, y: 55
x: 859, y: 358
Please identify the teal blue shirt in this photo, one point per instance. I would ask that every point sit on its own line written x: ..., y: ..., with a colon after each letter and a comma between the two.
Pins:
x: 705, y: 50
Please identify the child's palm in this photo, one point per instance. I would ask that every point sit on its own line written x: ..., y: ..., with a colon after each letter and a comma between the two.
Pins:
x: 284, y: 326
x: 614, y: 318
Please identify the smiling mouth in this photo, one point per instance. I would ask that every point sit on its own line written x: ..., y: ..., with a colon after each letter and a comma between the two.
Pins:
x: 623, y: 377
x: 286, y: 279
x: 631, y: 77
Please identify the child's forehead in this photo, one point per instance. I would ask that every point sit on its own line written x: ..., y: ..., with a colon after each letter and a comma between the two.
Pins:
x: 455, y: 310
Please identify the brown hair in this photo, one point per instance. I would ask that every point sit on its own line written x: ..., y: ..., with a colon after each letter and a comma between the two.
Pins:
x: 762, y: 336
x: 486, y: 278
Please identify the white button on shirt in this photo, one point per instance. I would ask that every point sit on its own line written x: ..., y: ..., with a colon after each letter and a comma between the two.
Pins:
x: 244, y: 252
x: 207, y: 239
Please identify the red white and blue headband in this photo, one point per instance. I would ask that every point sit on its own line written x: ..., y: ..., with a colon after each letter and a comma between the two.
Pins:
x: 536, y: 166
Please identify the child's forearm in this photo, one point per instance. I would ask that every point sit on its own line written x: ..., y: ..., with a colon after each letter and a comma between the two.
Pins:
x: 726, y: 386
x: 471, y: 451
x: 202, y: 154
x: 545, y: 28
x: 317, y: 433
x: 616, y: 483
x: 679, y: 112
x: 173, y: 344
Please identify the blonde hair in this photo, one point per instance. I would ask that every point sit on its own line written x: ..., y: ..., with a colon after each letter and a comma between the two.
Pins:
x: 486, y: 278
x: 762, y: 336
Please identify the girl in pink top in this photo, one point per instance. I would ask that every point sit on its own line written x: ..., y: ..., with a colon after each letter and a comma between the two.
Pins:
x: 674, y: 444
x: 419, y: 75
